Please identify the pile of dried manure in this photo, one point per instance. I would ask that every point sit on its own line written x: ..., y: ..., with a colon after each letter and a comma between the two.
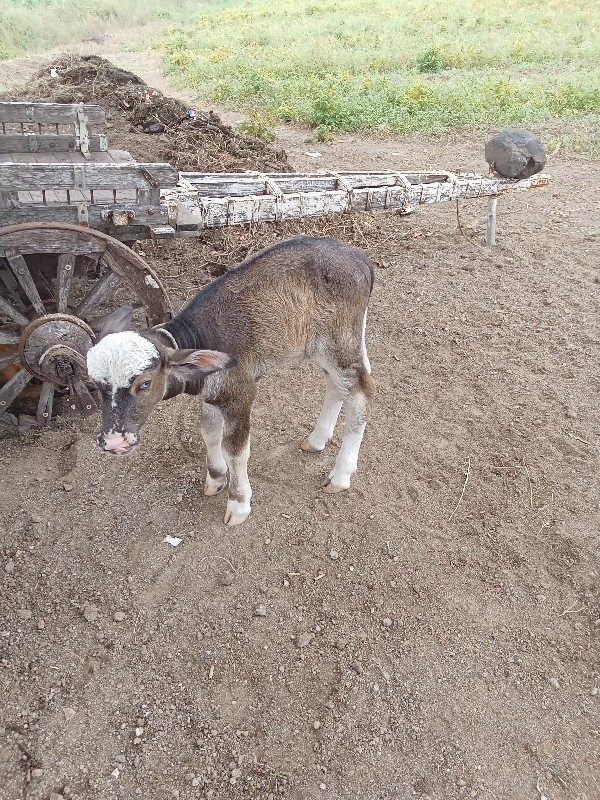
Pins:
x: 161, y: 126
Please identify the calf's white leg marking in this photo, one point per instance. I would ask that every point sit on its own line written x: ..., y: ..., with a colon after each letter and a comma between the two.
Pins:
x: 325, y: 425
x: 240, y: 491
x: 211, y: 427
x: 346, y: 463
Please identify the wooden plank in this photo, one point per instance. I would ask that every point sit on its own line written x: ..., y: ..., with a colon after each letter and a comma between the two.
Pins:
x: 65, y: 272
x: 31, y: 177
x: 7, y: 310
x: 98, y: 215
x: 8, y: 337
x: 232, y: 184
x: 13, y: 388
x: 195, y: 211
x: 50, y: 113
x: 23, y: 275
x: 9, y: 359
x: 44, y: 409
x: 102, y: 290
x: 47, y: 240
x: 59, y: 143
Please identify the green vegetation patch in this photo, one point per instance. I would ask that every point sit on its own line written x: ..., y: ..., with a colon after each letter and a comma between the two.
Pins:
x: 415, y: 66
x: 28, y: 27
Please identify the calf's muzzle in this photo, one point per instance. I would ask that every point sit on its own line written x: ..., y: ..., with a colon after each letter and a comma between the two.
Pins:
x: 117, y: 442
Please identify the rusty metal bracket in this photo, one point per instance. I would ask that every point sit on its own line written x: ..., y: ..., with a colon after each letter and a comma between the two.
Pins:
x: 118, y: 217
x: 150, y: 178
x: 82, y: 215
x: 79, y: 176
x: 82, y: 132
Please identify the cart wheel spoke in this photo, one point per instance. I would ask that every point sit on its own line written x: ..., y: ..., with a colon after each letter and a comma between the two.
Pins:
x: 8, y: 359
x: 8, y: 336
x: 98, y: 294
x: 65, y: 271
x: 44, y: 409
x: 23, y: 275
x: 8, y: 310
x: 84, y: 395
x: 13, y: 388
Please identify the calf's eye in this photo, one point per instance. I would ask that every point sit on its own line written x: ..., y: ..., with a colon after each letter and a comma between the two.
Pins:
x: 143, y: 386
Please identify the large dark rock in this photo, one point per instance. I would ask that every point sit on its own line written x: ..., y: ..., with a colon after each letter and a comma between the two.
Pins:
x: 515, y: 153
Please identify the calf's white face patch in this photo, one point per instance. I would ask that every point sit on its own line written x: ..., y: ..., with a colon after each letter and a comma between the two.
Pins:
x: 119, y: 357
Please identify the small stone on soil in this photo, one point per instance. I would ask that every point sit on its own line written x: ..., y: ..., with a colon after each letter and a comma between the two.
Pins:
x: 9, y: 567
x: 119, y: 616
x: 316, y: 724
x: 68, y: 487
x: 55, y: 796
x: 37, y: 773
x: 594, y: 691
x: 305, y: 639
x: 90, y: 613
x: 227, y: 579
x: 334, y: 555
x: 386, y: 622
x: 554, y: 682
x: 40, y: 624
x: 24, y: 613
x: 69, y: 713
x: 260, y: 611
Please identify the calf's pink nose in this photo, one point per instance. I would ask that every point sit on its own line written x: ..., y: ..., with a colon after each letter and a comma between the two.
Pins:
x: 118, y: 442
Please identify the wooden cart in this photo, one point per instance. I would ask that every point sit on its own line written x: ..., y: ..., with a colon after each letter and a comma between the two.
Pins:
x: 69, y: 207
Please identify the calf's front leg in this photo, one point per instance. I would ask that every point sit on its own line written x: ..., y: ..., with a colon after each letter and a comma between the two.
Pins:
x: 211, y: 427
x: 236, y: 451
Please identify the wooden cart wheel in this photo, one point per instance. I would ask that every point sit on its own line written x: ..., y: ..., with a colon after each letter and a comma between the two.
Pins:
x: 56, y: 283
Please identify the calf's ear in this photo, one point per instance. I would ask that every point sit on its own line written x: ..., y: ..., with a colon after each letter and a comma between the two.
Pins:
x: 117, y: 322
x: 187, y: 364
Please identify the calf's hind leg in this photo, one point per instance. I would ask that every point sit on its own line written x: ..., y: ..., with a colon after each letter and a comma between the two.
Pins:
x: 355, y: 386
x: 325, y: 425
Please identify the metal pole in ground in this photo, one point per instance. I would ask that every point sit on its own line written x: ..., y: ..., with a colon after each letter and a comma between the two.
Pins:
x: 490, y: 234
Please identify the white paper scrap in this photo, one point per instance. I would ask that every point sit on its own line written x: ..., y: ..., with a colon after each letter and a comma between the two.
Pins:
x: 173, y: 540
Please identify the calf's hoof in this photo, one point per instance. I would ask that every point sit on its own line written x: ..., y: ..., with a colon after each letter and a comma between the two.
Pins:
x: 236, y: 513
x: 310, y: 448
x: 332, y: 488
x: 213, y: 486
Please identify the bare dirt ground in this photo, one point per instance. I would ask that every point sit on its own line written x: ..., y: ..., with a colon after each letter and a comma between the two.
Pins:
x: 412, y: 645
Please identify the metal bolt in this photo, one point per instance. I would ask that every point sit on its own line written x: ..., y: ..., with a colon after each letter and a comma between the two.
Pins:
x: 67, y: 267
x: 2, y: 402
x: 44, y: 414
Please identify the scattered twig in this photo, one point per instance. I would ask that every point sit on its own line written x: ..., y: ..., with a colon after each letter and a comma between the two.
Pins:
x: 221, y: 558
x: 579, y: 439
x: 463, y: 490
x: 572, y: 610
x: 530, y: 483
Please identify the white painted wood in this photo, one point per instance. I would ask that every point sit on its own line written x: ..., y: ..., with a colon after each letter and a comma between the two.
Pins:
x: 191, y: 211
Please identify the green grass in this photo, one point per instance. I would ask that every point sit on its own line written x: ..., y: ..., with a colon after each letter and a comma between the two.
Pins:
x: 28, y: 27
x: 416, y: 66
